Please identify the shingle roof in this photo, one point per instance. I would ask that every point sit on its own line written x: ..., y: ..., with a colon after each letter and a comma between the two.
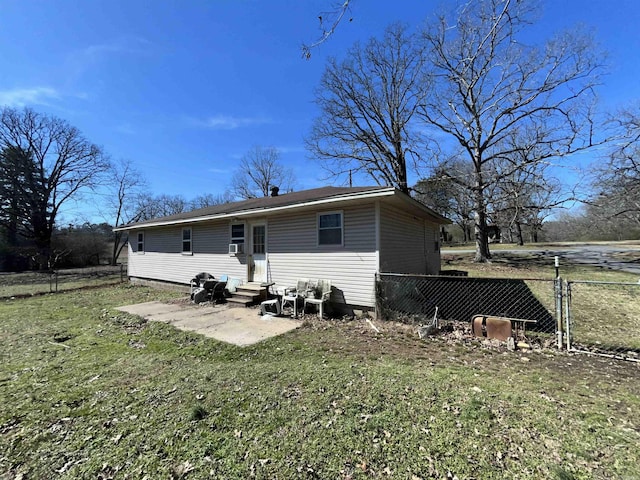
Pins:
x: 285, y: 199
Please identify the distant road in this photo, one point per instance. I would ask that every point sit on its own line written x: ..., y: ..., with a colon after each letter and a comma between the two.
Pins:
x: 601, y: 255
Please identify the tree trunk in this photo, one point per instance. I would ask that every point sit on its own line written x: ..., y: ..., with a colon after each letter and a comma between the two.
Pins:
x: 118, y: 245
x: 480, y: 228
x: 482, y: 240
x: 534, y: 229
x: 519, y: 233
x: 403, y: 184
x: 117, y: 236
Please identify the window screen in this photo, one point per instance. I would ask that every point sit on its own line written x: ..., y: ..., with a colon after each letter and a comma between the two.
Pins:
x: 237, y: 233
x: 186, y: 240
x: 330, y: 229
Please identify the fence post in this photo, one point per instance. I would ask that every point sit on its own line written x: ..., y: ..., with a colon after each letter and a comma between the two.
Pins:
x: 560, y: 326
x: 376, y: 291
x: 53, y: 281
x: 567, y: 304
x: 121, y: 273
x: 558, y: 288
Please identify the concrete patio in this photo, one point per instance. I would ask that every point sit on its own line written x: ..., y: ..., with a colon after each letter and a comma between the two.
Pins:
x: 236, y: 325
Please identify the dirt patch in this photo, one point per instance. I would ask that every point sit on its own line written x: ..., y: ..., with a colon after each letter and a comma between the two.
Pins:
x: 455, y: 341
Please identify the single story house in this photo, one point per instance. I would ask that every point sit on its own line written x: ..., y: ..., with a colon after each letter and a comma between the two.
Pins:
x: 343, y: 234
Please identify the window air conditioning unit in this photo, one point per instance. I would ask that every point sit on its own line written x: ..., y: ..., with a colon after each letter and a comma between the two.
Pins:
x: 235, y: 248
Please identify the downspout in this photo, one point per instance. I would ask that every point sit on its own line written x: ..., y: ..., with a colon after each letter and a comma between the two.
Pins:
x: 377, y: 234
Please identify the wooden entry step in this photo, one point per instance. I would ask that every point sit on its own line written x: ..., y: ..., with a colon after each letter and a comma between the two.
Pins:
x: 247, y: 294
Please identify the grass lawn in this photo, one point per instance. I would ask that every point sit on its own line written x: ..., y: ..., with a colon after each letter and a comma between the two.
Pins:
x: 89, y: 392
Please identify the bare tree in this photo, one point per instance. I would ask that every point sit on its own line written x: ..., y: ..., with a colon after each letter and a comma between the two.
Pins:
x: 209, y: 199
x: 260, y: 170
x: 329, y: 21
x: 524, y: 198
x: 148, y: 207
x: 126, y: 187
x: 488, y: 85
x: 60, y: 165
x: 367, y: 104
x: 164, y: 205
x: 445, y: 191
x: 617, y: 180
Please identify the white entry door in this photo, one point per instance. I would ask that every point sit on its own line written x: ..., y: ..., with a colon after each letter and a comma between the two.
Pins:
x: 259, y: 252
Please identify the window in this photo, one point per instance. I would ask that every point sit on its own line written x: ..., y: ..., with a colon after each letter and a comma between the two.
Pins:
x: 140, y: 242
x: 186, y: 240
x: 259, y: 234
x: 237, y: 233
x: 330, y: 228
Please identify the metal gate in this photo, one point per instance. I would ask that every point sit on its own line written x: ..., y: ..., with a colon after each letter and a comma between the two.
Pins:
x: 603, y: 318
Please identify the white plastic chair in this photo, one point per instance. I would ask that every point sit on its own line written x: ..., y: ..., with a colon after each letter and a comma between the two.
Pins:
x: 324, y: 286
x: 272, y: 306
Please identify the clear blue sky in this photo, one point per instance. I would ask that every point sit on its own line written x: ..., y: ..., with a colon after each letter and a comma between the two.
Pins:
x: 185, y: 88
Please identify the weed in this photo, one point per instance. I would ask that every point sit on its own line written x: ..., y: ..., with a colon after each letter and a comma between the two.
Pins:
x: 198, y: 412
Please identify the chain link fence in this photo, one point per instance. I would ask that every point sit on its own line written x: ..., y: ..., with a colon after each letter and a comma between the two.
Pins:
x: 598, y: 317
x: 34, y: 283
x: 603, y: 318
x: 414, y: 298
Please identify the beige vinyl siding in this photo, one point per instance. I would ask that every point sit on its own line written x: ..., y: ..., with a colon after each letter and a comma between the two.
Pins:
x: 432, y: 239
x: 163, y: 258
x: 293, y: 253
x: 407, y: 243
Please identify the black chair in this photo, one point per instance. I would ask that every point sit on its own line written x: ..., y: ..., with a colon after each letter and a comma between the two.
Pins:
x: 214, y: 288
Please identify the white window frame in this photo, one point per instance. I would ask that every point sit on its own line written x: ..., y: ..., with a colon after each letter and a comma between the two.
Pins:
x: 190, y: 240
x: 322, y: 214
x: 139, y: 242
